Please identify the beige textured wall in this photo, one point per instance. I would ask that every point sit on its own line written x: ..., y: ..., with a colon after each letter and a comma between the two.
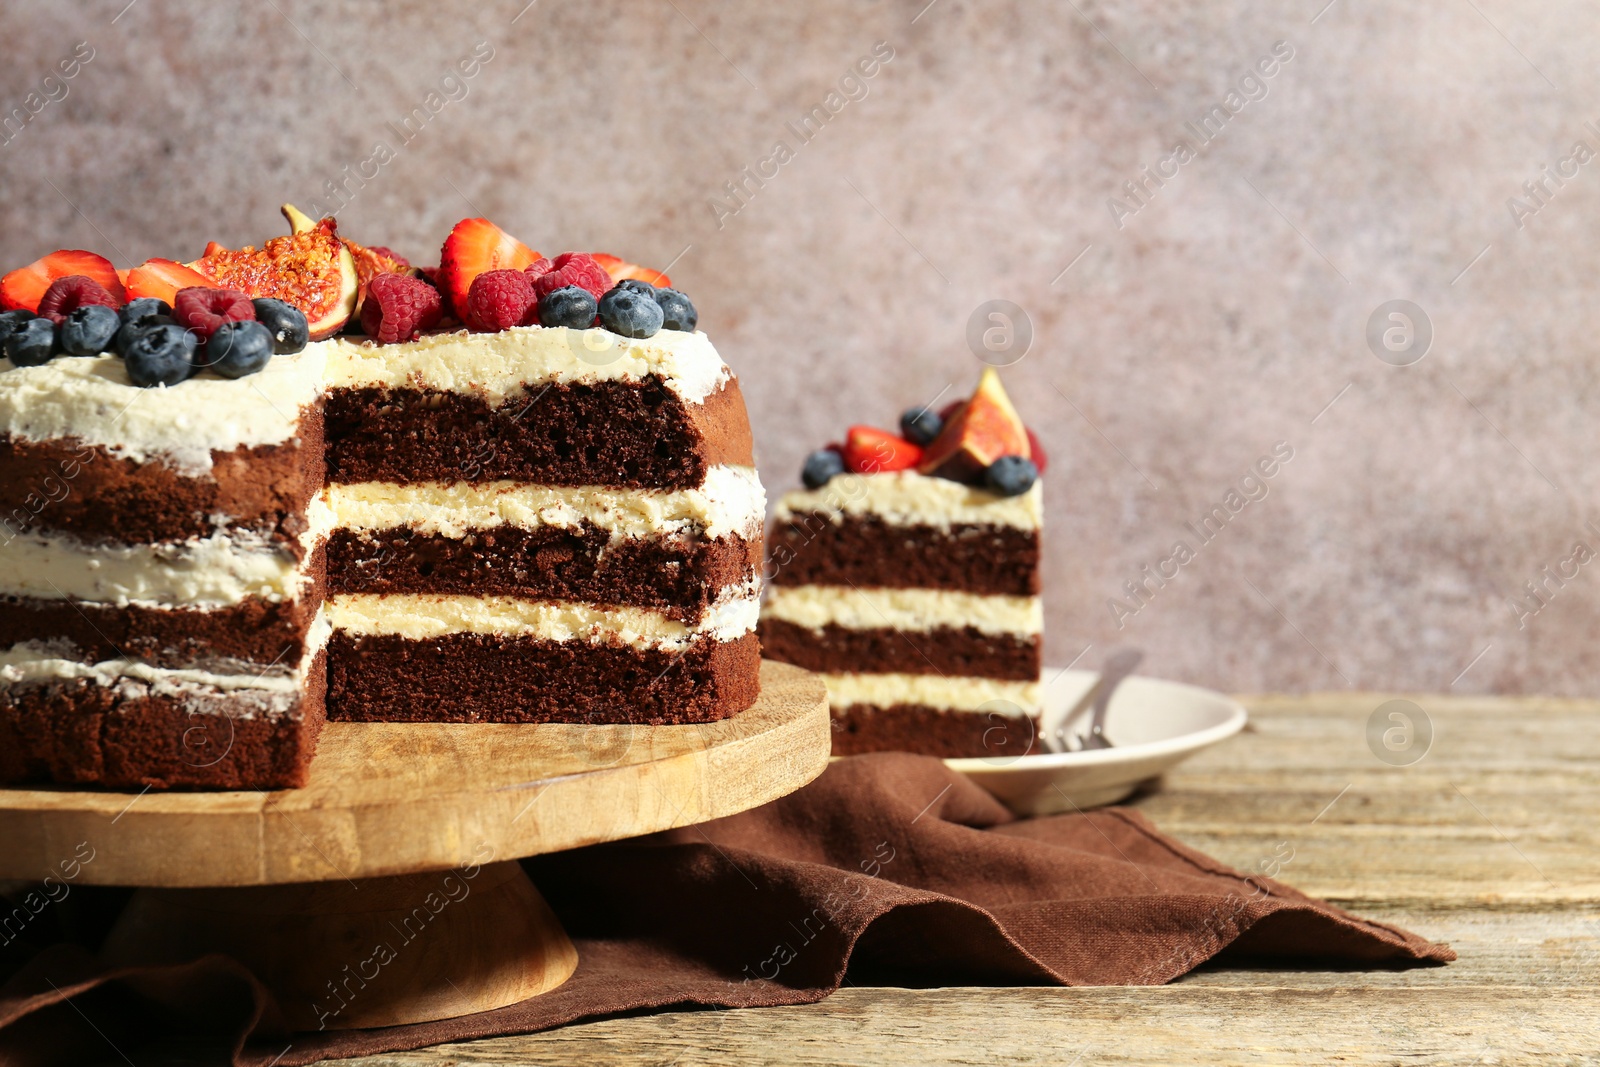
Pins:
x: 1170, y: 352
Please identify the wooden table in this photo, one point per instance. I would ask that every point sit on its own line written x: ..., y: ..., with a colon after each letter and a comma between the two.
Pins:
x: 1490, y: 842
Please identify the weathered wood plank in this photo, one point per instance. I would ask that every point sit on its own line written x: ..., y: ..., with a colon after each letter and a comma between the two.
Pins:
x: 1176, y: 1025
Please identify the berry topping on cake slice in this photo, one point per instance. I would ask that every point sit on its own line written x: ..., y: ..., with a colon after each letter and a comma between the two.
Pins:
x: 25, y: 287
x: 310, y: 269
x: 621, y: 270
x: 868, y: 450
x: 66, y: 295
x: 984, y: 429
x: 398, y: 307
x: 162, y: 278
x: 475, y: 247
x: 569, y: 268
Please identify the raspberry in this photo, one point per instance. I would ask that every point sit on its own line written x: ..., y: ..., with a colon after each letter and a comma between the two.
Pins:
x: 201, y: 310
x: 571, y: 268
x: 73, y: 291
x: 398, y: 307
x: 500, y: 299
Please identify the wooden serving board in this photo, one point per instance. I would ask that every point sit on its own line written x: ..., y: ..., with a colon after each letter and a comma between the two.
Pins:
x: 392, y: 798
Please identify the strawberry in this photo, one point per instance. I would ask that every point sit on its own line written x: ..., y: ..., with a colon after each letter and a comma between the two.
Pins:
x: 1036, y: 452
x: 473, y: 247
x: 868, y: 450
x: 22, y: 289
x: 162, y: 278
x: 621, y: 270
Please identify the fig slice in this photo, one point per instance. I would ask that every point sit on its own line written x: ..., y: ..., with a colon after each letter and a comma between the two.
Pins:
x: 985, y: 428
x: 310, y: 269
x: 370, y: 262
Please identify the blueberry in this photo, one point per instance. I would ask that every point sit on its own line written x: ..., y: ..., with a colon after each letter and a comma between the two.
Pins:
x: 88, y: 330
x: 636, y: 285
x: 143, y: 308
x: 821, y: 466
x: 132, y: 327
x: 31, y: 344
x: 920, y: 426
x: 239, y: 348
x: 160, y: 355
x: 10, y: 321
x: 285, y: 322
x: 569, y: 306
x: 676, y: 311
x: 1011, y: 475
x: 630, y: 313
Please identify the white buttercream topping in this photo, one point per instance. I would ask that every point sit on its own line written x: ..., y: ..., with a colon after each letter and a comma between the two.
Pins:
x: 906, y: 498
x: 91, y: 399
x: 517, y: 362
x: 815, y: 606
x: 952, y: 693
x: 422, y: 617
x: 730, y: 501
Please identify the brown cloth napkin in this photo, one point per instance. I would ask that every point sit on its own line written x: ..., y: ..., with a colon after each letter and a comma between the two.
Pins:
x: 888, y: 870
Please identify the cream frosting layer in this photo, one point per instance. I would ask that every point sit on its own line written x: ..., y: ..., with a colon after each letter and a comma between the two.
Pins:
x: 500, y: 366
x: 948, y: 693
x: 816, y: 606
x: 91, y: 399
x: 236, y: 689
x: 224, y: 568
x: 730, y: 501
x: 906, y: 498
x: 425, y: 617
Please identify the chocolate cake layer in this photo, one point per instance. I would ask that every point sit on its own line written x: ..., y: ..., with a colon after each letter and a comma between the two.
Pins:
x: 934, y: 732
x: 64, y: 484
x: 678, y: 576
x: 637, y: 435
x: 943, y: 650
x: 252, y: 631
x: 80, y: 732
x: 866, y: 551
x: 489, y: 678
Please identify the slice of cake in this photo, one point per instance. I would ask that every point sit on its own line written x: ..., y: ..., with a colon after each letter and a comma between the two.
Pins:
x: 542, y: 524
x: 907, y: 574
x: 551, y: 515
x: 536, y: 476
x: 160, y: 575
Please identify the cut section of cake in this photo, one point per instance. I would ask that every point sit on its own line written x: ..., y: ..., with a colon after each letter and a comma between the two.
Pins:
x: 161, y: 575
x: 915, y: 592
x: 557, y: 522
x: 526, y: 492
x: 541, y: 525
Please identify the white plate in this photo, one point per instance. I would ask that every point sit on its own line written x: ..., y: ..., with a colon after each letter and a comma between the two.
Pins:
x: 1153, y: 724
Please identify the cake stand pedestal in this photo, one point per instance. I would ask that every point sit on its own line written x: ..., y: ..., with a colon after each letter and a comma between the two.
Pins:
x: 386, y: 891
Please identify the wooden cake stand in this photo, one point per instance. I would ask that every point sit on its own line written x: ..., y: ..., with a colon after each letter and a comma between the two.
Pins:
x: 386, y: 891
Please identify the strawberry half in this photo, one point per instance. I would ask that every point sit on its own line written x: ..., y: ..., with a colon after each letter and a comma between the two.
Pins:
x: 868, y: 450
x: 162, y: 278
x: 1036, y: 452
x: 22, y: 289
x: 474, y: 247
x: 621, y: 270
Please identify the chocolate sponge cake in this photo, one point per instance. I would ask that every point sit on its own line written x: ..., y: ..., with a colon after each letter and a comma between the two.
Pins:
x: 161, y: 575
x: 541, y: 525
x: 907, y: 574
x: 523, y: 493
